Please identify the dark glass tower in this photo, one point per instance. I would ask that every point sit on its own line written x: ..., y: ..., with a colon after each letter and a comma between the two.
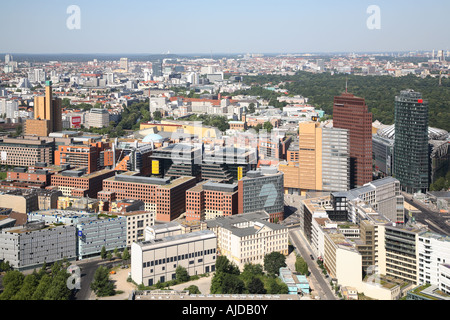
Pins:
x: 411, y: 160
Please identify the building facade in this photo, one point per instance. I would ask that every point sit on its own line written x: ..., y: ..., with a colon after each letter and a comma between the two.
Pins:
x: 154, y: 261
x: 411, y: 159
x: 36, y: 243
x: 262, y: 189
x: 351, y: 113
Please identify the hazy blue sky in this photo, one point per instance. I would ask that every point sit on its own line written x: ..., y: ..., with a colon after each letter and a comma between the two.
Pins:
x: 228, y: 26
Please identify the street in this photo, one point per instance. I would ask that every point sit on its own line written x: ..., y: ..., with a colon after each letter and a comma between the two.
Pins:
x: 322, y: 286
x: 434, y: 220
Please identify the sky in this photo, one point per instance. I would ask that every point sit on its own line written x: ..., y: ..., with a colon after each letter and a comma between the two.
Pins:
x: 225, y: 27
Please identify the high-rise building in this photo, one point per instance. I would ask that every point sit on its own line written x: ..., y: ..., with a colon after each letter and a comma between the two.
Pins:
x: 8, y: 58
x: 124, y: 64
x: 411, y: 159
x: 318, y: 161
x: 47, y: 114
x: 351, y: 113
x: 157, y: 68
x: 262, y: 189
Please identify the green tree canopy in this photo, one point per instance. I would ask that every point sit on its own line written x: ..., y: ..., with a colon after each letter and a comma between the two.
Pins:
x: 181, y: 274
x: 273, y: 262
x: 101, y: 284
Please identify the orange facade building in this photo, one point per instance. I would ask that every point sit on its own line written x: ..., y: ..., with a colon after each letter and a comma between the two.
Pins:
x: 47, y: 114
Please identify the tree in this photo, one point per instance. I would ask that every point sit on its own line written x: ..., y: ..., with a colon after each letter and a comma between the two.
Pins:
x: 29, y: 285
x: 217, y: 283
x: 126, y: 255
x: 301, y: 266
x: 157, y: 115
x: 273, y: 262
x: 103, y: 253
x: 19, y: 130
x: 224, y: 265
x: 117, y: 253
x: 251, y: 108
x: 256, y: 286
x: 42, y: 288
x: 58, y: 289
x: 5, y: 266
x: 109, y: 255
x: 268, y: 126
x: 275, y: 287
x: 250, y: 271
x: 12, y: 282
x: 193, y: 289
x: 101, y: 284
x: 181, y: 274
x: 232, y: 284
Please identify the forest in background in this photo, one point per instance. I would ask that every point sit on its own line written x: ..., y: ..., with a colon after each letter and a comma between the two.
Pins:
x: 378, y: 91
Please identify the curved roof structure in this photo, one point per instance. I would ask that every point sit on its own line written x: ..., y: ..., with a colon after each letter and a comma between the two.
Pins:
x: 153, y: 137
x: 433, y: 133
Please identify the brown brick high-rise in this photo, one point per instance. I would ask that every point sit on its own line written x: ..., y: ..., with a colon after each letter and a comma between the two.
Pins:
x: 351, y: 113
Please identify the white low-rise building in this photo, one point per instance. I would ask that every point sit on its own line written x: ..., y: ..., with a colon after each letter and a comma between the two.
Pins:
x: 156, y: 260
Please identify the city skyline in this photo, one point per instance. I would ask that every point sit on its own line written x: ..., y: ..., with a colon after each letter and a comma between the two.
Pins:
x: 234, y: 27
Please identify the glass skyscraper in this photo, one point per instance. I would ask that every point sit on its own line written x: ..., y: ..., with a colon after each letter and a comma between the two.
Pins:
x: 411, y: 159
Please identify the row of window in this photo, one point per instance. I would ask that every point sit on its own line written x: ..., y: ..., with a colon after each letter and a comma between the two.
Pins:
x: 179, y: 258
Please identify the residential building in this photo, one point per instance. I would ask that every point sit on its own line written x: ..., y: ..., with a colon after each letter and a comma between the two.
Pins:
x: 137, y: 221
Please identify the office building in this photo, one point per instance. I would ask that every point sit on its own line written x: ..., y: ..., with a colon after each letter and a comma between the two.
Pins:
x: 247, y: 238
x: 228, y: 164
x: 262, y: 189
x: 351, y: 113
x: 47, y: 114
x: 434, y: 254
x: 92, y: 232
x: 167, y: 197
x: 177, y: 160
x: 209, y: 200
x: 23, y: 152
x: 123, y: 65
x: 130, y: 156
x: 80, y: 184
x: 383, y: 195
x: 154, y: 261
x: 438, y: 146
x: 318, y: 161
x: 411, y: 160
x: 97, y: 118
x: 157, y: 68
x: 35, y: 243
